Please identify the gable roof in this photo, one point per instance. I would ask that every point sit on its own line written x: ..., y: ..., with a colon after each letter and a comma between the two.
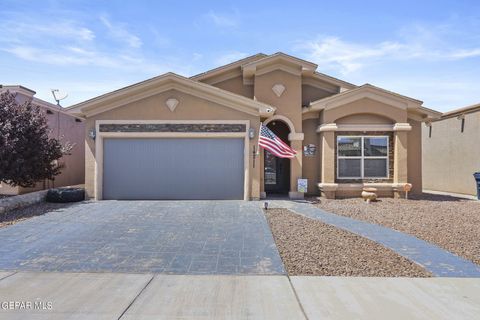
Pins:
x: 358, y: 93
x: 333, y: 80
x: 227, y: 67
x: 251, y: 62
x: 169, y: 81
x: 280, y: 56
x: 375, y: 93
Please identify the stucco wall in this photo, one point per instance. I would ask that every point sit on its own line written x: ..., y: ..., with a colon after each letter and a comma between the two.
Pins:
x: 236, y: 85
x: 154, y: 108
x: 366, y: 106
x: 414, y: 156
x: 310, y: 94
x: 450, y: 156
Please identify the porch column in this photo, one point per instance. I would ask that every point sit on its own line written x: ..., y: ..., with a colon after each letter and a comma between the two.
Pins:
x: 327, y: 138
x: 400, y: 163
x: 296, y: 143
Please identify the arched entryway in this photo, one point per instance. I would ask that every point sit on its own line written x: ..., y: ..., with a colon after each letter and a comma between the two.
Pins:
x: 277, y: 170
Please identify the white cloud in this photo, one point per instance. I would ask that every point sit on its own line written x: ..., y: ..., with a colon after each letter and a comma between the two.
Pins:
x: 230, y: 57
x: 223, y: 19
x: 333, y: 53
x: 120, y: 33
x: 15, y: 31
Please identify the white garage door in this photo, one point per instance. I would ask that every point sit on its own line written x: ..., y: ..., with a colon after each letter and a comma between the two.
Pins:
x: 148, y: 169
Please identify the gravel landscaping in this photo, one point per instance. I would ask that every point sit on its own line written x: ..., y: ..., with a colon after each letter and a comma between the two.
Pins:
x: 310, y: 247
x: 449, y: 222
x: 17, y: 215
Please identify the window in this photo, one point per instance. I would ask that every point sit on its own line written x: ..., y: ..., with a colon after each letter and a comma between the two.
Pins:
x: 360, y: 157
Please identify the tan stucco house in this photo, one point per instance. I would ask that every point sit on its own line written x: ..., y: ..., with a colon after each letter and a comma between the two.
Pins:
x: 451, y: 152
x: 172, y: 137
x: 65, y: 127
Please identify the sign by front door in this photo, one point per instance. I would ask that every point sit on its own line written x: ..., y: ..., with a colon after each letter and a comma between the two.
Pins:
x: 309, y: 150
x: 302, y: 185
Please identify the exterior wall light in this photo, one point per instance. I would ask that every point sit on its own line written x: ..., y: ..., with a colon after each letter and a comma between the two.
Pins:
x: 251, y: 133
x: 92, y: 134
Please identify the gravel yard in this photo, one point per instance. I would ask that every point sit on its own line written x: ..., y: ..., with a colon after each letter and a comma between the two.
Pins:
x: 17, y: 215
x: 451, y: 223
x: 310, y: 247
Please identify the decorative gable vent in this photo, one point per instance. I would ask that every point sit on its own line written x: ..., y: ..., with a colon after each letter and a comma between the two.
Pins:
x: 171, y: 103
x: 278, y: 89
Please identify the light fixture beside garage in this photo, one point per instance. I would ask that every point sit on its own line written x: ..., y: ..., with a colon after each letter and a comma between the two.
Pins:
x: 171, y: 103
x: 251, y: 133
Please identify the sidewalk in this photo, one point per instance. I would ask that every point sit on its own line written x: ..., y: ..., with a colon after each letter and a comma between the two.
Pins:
x: 145, y: 296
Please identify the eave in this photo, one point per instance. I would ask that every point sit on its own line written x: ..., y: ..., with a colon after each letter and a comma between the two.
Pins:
x: 169, y: 81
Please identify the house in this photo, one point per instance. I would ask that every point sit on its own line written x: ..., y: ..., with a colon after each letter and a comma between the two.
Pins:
x: 172, y: 137
x: 451, y: 152
x: 64, y: 127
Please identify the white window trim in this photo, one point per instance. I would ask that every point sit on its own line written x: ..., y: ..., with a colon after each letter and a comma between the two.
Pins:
x: 363, y: 157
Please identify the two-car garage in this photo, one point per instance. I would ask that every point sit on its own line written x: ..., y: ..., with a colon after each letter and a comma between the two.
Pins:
x: 173, y: 168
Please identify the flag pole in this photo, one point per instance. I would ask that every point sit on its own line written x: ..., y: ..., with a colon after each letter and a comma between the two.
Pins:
x: 256, y: 151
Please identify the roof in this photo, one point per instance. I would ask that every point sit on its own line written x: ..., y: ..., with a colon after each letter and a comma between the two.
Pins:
x: 18, y: 88
x: 250, y: 63
x: 169, y: 81
x: 227, y: 67
x: 35, y: 101
x: 469, y: 109
x: 333, y: 80
x: 370, y: 91
x: 307, y: 65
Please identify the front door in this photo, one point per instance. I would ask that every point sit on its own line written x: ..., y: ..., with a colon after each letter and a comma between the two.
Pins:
x: 277, y: 177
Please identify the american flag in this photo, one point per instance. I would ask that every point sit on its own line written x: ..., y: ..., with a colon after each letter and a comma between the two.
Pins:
x: 269, y: 141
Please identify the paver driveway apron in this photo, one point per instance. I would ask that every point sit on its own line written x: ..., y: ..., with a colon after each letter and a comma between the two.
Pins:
x: 180, y: 237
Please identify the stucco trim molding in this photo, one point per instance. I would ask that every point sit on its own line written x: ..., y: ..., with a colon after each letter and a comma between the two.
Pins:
x: 402, y: 127
x: 327, y: 127
x: 166, y: 82
x: 171, y: 103
x: 98, y: 176
x: 365, y: 91
x: 278, y: 89
x: 296, y: 136
x: 364, y: 127
x: 282, y: 118
x: 327, y: 186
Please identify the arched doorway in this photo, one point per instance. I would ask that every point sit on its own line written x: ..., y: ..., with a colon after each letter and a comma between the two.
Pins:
x: 277, y: 170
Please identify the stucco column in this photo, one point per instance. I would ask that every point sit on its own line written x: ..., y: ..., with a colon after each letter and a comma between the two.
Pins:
x: 327, y: 138
x: 400, y: 160
x: 296, y: 141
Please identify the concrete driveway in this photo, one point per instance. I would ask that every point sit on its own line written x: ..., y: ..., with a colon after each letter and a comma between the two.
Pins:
x: 179, y: 237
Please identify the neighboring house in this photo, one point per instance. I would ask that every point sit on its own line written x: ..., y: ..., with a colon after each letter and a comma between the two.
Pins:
x: 172, y: 137
x: 451, y: 151
x: 64, y: 127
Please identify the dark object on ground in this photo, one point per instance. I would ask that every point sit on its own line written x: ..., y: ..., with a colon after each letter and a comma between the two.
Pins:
x: 62, y: 195
x: 476, y: 175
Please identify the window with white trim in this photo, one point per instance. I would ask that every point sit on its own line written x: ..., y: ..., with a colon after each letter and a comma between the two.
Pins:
x: 362, y: 157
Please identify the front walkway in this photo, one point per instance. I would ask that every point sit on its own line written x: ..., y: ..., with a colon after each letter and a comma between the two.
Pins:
x: 146, y: 296
x: 439, y: 262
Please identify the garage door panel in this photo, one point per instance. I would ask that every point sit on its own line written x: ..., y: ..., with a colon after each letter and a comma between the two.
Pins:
x: 173, y: 168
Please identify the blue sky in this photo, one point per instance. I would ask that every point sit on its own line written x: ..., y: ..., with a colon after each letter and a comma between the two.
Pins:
x: 429, y: 50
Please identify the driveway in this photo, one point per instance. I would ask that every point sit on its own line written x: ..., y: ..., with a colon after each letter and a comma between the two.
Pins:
x: 179, y: 237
